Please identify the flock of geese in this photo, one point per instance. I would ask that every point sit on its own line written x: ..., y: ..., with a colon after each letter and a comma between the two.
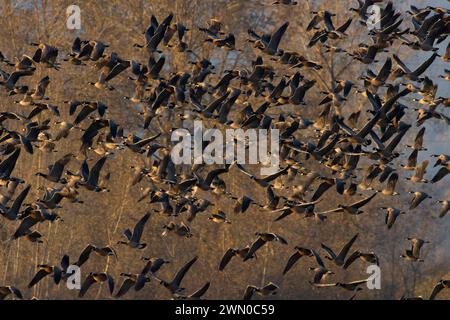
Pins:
x: 340, y: 142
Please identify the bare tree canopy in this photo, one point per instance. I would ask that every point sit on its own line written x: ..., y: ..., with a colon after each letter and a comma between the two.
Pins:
x: 115, y: 166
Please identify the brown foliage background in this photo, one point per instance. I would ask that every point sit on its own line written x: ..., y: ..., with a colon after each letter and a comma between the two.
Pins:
x: 103, y: 217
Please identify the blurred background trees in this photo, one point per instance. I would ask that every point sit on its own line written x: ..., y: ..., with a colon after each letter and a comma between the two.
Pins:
x: 103, y: 217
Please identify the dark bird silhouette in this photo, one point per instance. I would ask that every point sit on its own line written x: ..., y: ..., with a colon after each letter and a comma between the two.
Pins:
x: 98, y: 278
x: 233, y: 252
x: 174, y: 285
x: 441, y: 285
x: 134, y: 238
x: 263, y: 238
x: 5, y: 291
x: 339, y: 258
x: 299, y: 253
x: 267, y: 290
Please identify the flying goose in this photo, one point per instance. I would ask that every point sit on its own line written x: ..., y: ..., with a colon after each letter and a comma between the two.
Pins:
x: 153, y: 265
x: 320, y: 272
x: 134, y: 238
x: 40, y: 107
x: 7, y: 165
x: 41, y: 87
x: 445, y: 208
x: 228, y: 42
x: 57, y: 272
x: 12, y: 213
x: 375, y: 81
x: 5, y: 291
x: 295, y: 208
x: 352, y: 286
x: 263, y: 238
x: 411, y: 161
x: 444, y: 171
x: 46, y: 54
x: 137, y: 281
x: 339, y: 259
x: 197, y: 295
x: 441, y: 285
x: 232, y: 252
x: 389, y: 190
x: 181, y: 230
x: 110, y: 67
x: 100, y: 251
x: 319, y: 16
x: 272, y: 199
x: 154, y: 34
x: 299, y: 252
x: 219, y: 217
x: 420, y: 172
x: 87, y: 108
x: 266, y: 181
x: 285, y: 2
x: 174, y: 285
x: 418, y: 141
x: 98, y: 278
x: 442, y: 160
x: 90, y: 177
x: 413, y: 254
x: 31, y: 216
x: 269, y: 289
x: 270, y: 45
x: 213, y: 28
x: 56, y: 170
x: 26, y: 63
x: 9, y: 80
x: 369, y: 257
x: 137, y: 144
x: 404, y: 71
x: 419, y: 196
x: 80, y: 50
x: 353, y: 208
x: 391, y: 215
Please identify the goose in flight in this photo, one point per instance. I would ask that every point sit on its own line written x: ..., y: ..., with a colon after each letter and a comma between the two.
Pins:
x: 233, y: 252
x: 404, y: 71
x: 197, y: 295
x: 134, y: 238
x: 391, y: 216
x: 174, y: 285
x: 5, y: 291
x: 98, y: 278
x: 320, y: 272
x: 137, y: 281
x: 413, y: 254
x: 369, y: 257
x: 339, y: 258
x: 445, y: 207
x: 269, y: 44
x: 354, y: 208
x: 267, y: 290
x: 441, y: 285
x: 299, y: 253
x: 263, y: 238
x: 419, y: 197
